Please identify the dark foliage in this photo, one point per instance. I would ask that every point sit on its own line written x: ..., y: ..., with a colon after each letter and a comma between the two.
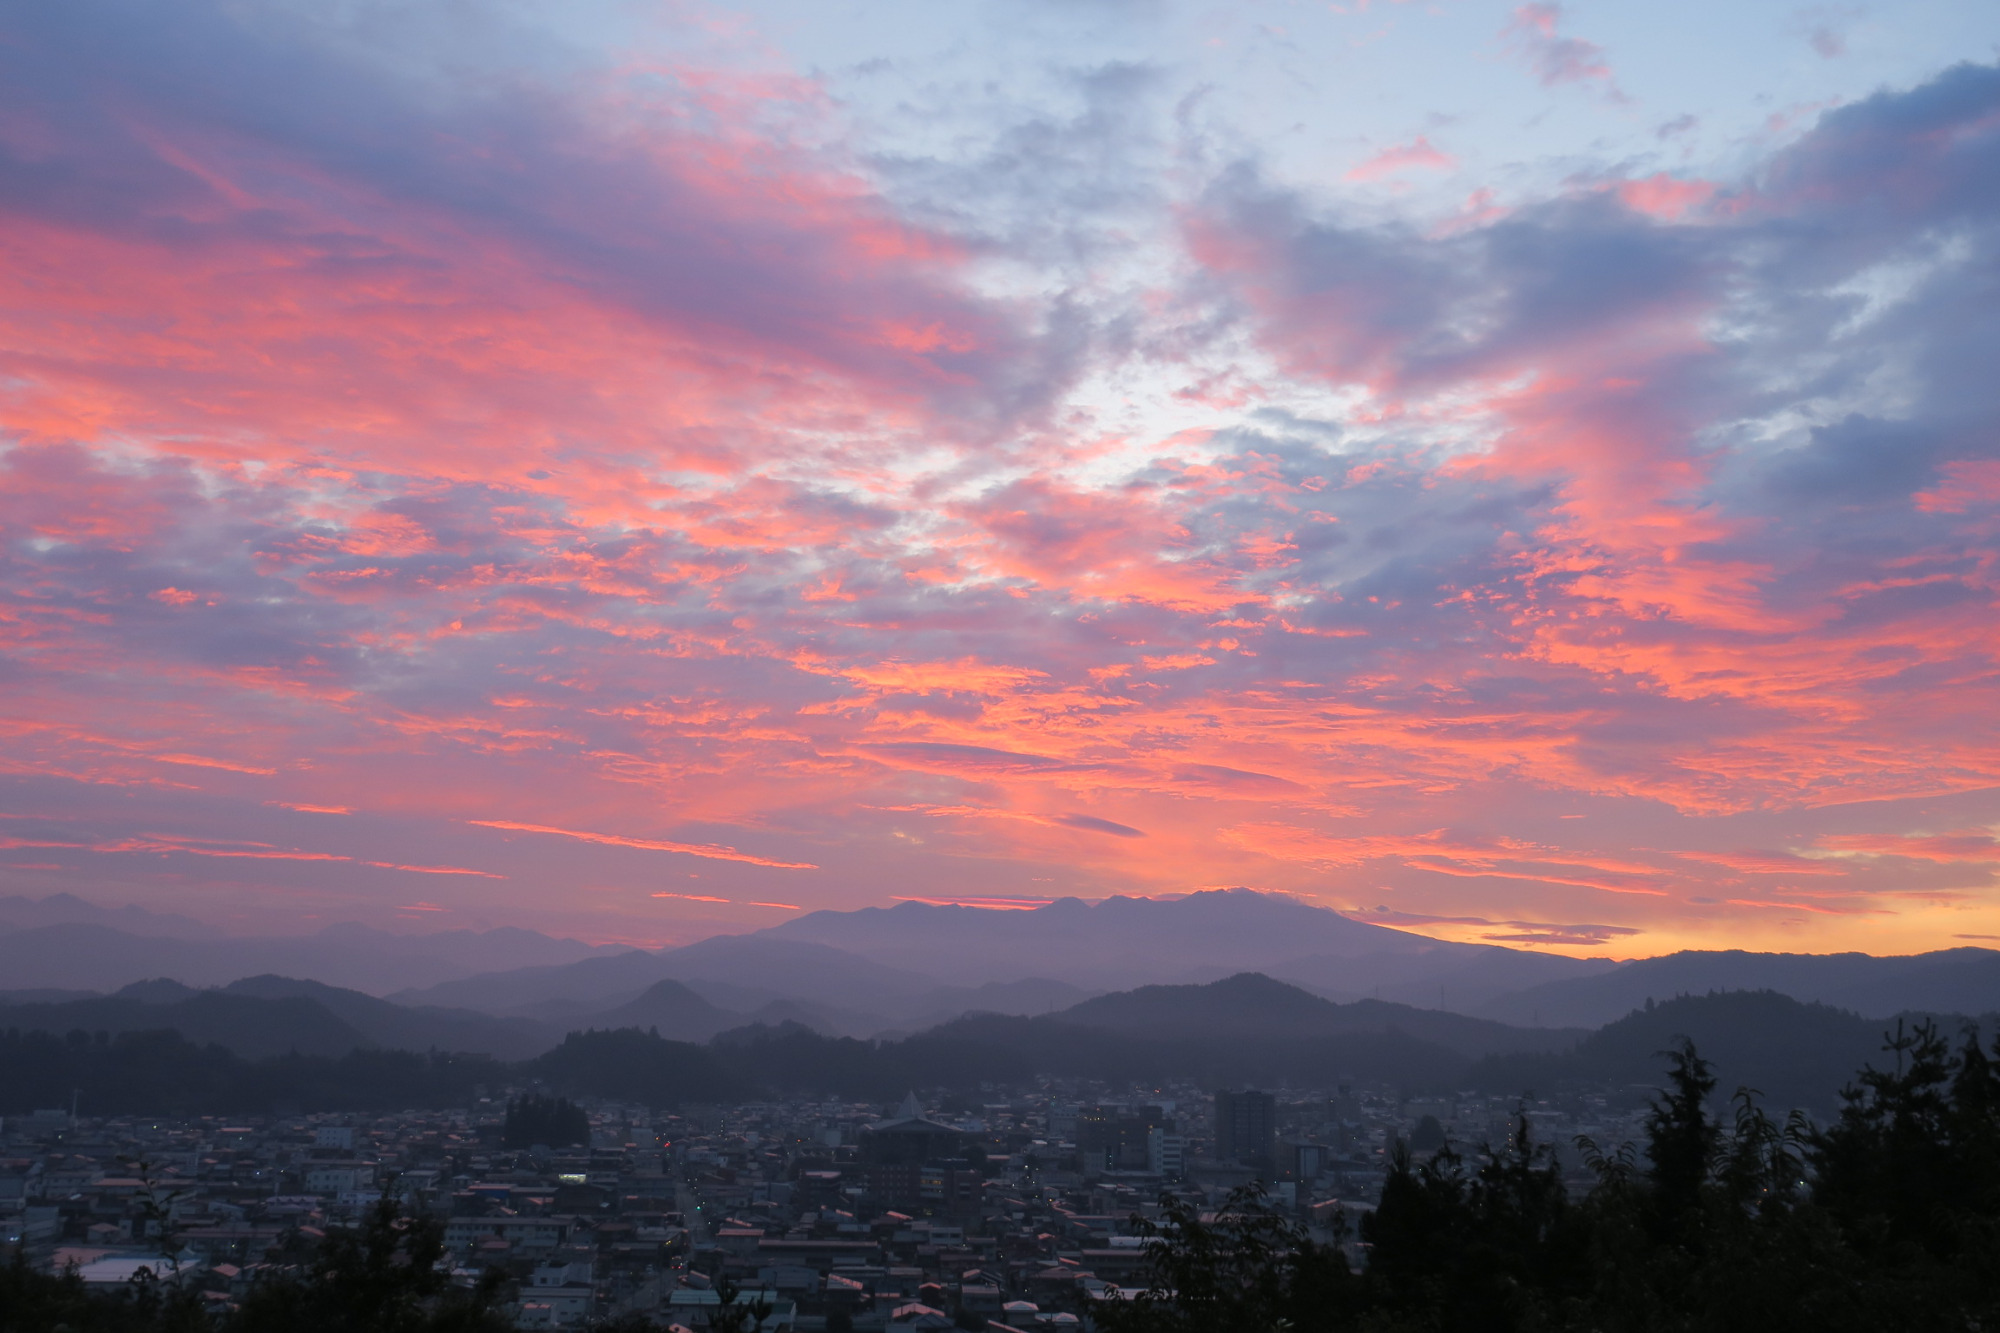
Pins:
x: 1800, y: 1054
x: 555, y: 1122
x: 1246, y: 1270
x: 629, y: 1065
x: 1886, y: 1219
x: 382, y: 1276
x: 1889, y: 1219
x: 160, y: 1073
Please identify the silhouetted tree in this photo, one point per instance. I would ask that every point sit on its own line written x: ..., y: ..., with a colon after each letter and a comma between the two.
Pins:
x: 554, y: 1121
x: 386, y: 1275
x: 1248, y: 1269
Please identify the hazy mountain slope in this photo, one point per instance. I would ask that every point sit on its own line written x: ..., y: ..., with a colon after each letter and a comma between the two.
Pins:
x: 1248, y: 1004
x: 1120, y: 941
x: 754, y: 964
x: 1462, y: 978
x: 821, y: 1018
x: 1254, y: 1007
x: 247, y: 1025
x: 1123, y: 942
x: 156, y: 1073
x: 590, y: 983
x: 270, y: 1015
x: 803, y: 970
x: 962, y: 1053
x: 918, y: 964
x: 17, y: 913
x: 1793, y: 1053
x: 765, y: 1005
x: 401, y: 1027
x: 96, y: 957
x: 45, y: 995
x: 675, y: 1011
x: 1965, y: 981
x: 1031, y: 995
x: 157, y: 990
x: 1951, y: 980
x: 1025, y: 998
x: 1247, y: 1030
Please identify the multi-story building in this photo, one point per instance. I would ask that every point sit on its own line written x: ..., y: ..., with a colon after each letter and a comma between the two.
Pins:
x: 1246, y: 1129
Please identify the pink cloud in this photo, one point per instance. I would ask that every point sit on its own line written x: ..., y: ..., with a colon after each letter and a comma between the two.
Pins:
x: 636, y: 464
x: 1555, y: 59
x: 1971, y: 845
x: 1417, y: 155
x: 1665, y: 197
x: 1966, y: 484
x: 705, y: 850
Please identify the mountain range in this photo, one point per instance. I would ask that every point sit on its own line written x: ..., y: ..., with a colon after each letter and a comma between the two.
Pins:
x: 1963, y: 981
x: 887, y: 972
x: 94, y: 955
x: 1791, y: 1053
x: 1123, y: 942
x: 271, y: 1043
x: 918, y: 964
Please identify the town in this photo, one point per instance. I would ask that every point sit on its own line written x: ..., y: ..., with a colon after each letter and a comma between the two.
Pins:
x: 1018, y: 1214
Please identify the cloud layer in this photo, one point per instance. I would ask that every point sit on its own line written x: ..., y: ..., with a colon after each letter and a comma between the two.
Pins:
x: 604, y: 491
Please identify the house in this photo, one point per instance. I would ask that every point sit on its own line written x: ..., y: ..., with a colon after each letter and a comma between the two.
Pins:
x: 696, y: 1308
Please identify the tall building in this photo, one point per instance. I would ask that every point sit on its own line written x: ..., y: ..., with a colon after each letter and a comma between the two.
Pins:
x: 1166, y: 1153
x: 1118, y: 1138
x: 1246, y: 1128
x: 910, y: 1161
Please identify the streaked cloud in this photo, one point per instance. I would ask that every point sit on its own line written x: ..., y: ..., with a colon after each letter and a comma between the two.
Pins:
x: 712, y: 853
x: 633, y: 455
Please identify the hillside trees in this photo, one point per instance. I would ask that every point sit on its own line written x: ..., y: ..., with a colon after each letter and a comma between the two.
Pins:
x: 1887, y: 1219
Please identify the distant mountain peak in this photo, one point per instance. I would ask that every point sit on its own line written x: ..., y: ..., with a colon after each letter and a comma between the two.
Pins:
x: 1120, y: 941
x: 159, y: 990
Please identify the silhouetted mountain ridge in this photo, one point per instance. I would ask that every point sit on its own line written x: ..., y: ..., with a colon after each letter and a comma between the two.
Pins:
x: 1252, y: 1006
x: 1793, y: 1053
x: 94, y: 956
x: 270, y: 1015
x: 1125, y: 941
x: 671, y: 1008
x: 1965, y: 980
x: 249, y: 1026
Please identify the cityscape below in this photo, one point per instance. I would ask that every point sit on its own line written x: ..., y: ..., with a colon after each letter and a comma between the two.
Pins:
x: 604, y: 1142
x: 1017, y: 1210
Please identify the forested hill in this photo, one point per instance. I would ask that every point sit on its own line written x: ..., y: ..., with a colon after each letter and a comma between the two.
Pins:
x: 1244, y: 1030
x: 1792, y: 1054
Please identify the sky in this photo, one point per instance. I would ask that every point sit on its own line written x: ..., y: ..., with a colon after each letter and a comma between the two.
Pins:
x: 1524, y: 473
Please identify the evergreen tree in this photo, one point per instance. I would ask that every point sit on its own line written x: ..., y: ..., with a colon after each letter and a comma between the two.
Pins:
x: 387, y: 1275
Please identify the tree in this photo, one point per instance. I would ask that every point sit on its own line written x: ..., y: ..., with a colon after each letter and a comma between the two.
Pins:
x: 734, y: 1316
x: 1247, y: 1269
x: 32, y: 1302
x: 385, y: 1275
x: 554, y: 1121
x: 1681, y: 1138
x: 1486, y: 1249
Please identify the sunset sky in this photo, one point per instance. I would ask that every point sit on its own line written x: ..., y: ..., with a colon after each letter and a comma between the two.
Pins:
x: 1525, y: 473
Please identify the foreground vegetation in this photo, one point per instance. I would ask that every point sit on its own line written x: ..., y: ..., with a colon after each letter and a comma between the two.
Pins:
x: 1886, y: 1219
